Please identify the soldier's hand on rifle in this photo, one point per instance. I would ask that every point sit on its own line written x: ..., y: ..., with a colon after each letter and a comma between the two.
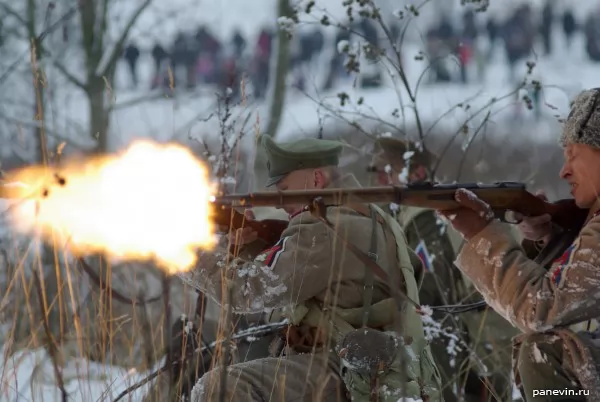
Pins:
x: 245, y: 235
x: 473, y: 215
x: 537, y: 228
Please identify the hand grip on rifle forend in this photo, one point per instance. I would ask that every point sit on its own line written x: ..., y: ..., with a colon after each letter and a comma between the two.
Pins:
x: 268, y: 230
x: 503, y: 198
x: 507, y: 197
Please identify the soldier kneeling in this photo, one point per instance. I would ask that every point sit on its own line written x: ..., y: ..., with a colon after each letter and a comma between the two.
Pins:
x: 315, y: 277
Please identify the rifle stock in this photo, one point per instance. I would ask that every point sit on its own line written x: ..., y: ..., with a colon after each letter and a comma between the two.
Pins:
x: 268, y: 230
x: 502, y: 197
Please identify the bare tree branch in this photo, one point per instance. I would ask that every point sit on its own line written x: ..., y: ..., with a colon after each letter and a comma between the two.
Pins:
x: 65, y: 72
x: 51, y: 133
x: 13, y: 13
x: 116, y: 52
x: 39, y: 40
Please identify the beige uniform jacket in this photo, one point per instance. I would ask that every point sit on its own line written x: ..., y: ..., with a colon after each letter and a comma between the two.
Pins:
x: 308, y: 262
x: 538, y: 300
x: 311, y: 264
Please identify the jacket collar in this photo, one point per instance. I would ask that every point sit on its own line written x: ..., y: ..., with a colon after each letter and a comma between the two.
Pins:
x: 594, y: 210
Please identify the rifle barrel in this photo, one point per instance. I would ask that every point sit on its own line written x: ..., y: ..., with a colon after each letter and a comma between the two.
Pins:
x: 427, y: 195
x: 331, y: 196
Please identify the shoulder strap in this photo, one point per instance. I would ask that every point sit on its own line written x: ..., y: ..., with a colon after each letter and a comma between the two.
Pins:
x: 555, y: 248
x: 368, y: 282
x: 396, y: 291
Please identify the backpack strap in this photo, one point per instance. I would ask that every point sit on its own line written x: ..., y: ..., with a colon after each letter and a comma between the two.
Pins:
x: 319, y: 210
x: 369, y: 280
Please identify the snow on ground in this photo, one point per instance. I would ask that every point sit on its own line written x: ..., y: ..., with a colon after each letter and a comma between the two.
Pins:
x: 28, y: 376
x: 84, y: 381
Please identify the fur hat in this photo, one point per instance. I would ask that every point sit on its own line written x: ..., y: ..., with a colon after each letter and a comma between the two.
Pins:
x: 583, y: 124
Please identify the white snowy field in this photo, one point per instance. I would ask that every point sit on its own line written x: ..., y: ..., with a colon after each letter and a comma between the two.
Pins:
x: 164, y: 119
x: 28, y: 375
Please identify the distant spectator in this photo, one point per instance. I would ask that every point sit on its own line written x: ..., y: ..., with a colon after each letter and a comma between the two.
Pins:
x: 394, y: 32
x: 467, y: 48
x: 546, y: 27
x: 569, y: 26
x: 470, y: 30
x: 262, y: 57
x: 132, y: 55
x: 445, y: 30
x: 438, y: 50
x: 592, y: 37
x: 183, y: 60
x: 239, y: 43
x: 492, y: 32
x: 336, y: 64
x: 518, y: 37
x: 159, y: 56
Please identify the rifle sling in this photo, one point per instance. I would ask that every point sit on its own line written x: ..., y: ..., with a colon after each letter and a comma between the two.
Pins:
x: 369, y: 280
x: 365, y: 259
x: 556, y: 247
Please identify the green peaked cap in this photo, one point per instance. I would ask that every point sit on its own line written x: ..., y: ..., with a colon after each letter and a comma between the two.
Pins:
x: 306, y: 153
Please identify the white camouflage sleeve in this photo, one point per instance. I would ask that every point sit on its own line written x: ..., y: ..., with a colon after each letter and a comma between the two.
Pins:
x: 295, y: 269
x: 526, y: 294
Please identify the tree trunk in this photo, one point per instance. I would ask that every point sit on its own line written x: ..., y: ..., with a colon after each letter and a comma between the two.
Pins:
x: 38, y: 102
x: 52, y: 307
x: 38, y: 86
x: 99, y: 116
x: 281, y: 70
x: 278, y: 96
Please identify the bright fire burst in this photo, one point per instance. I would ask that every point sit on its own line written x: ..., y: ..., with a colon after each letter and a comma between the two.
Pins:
x: 150, y: 202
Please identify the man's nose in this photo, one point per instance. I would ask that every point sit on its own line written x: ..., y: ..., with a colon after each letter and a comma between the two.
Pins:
x: 565, y: 171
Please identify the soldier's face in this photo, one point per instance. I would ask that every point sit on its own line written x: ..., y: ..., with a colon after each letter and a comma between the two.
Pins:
x: 385, y: 174
x: 582, y: 170
x: 307, y: 179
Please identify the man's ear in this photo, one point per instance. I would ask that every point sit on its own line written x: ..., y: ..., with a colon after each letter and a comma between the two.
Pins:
x: 319, y: 178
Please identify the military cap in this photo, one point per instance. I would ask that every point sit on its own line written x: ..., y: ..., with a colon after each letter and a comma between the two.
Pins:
x: 395, y: 149
x: 583, y: 124
x: 306, y: 153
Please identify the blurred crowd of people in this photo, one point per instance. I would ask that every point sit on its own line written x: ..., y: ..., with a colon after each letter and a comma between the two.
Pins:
x: 517, y: 34
x: 472, y: 41
x: 204, y: 58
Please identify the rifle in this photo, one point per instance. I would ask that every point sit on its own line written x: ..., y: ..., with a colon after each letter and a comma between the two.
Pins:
x: 502, y: 197
x: 268, y: 230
